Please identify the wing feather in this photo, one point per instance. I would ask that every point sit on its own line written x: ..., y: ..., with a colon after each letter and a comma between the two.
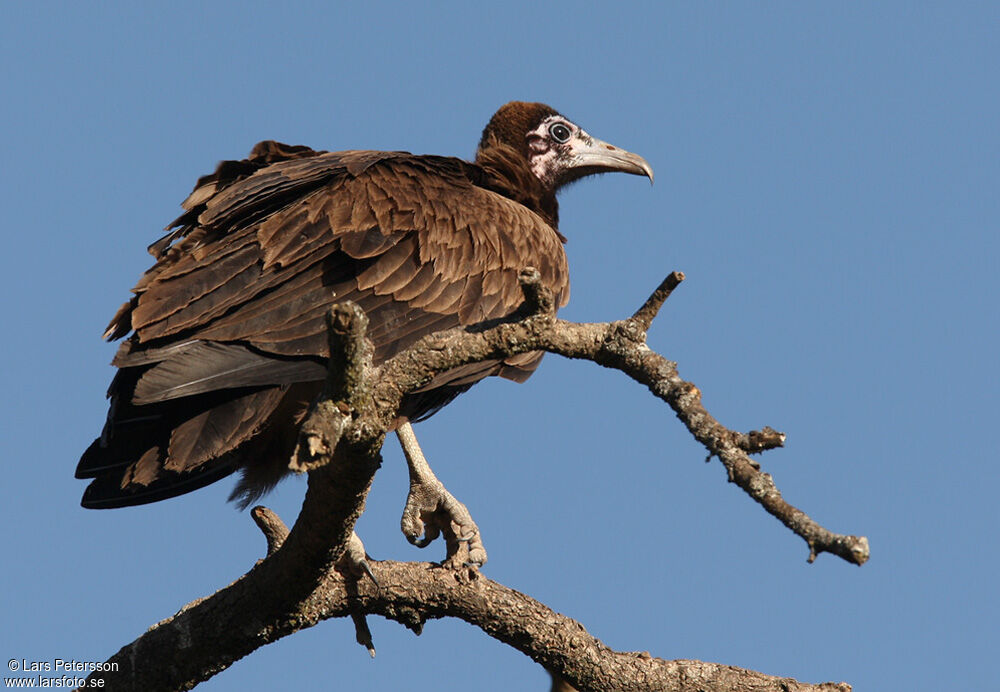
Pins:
x: 268, y: 244
x: 228, y: 325
x: 206, y: 366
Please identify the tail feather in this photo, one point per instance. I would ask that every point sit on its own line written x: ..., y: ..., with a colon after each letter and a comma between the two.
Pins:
x: 113, y: 489
x: 153, y: 452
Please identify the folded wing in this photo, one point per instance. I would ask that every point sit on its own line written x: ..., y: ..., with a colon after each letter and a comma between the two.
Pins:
x: 228, y: 340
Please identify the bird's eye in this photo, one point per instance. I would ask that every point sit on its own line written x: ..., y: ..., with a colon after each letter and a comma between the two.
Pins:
x: 560, y: 132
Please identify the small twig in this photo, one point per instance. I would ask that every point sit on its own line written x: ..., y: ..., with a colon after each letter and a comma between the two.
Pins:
x: 761, y: 487
x: 271, y: 526
x: 757, y: 441
x: 645, y: 315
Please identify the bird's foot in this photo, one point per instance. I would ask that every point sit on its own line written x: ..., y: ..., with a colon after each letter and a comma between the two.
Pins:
x: 432, y: 511
x: 354, y: 561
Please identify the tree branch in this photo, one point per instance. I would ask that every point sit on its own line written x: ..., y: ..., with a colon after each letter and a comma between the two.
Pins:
x: 415, y: 592
x: 645, y: 315
x: 270, y: 524
x: 298, y: 584
x: 622, y: 346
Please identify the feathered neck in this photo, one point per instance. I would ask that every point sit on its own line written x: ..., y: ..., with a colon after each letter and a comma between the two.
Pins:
x: 507, y: 172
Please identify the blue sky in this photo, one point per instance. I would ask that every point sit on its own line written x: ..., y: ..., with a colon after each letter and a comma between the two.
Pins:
x: 826, y: 176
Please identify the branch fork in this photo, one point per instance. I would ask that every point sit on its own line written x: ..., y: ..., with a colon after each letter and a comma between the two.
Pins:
x: 316, y: 571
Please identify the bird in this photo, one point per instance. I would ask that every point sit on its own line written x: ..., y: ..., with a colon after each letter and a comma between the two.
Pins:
x: 225, y: 343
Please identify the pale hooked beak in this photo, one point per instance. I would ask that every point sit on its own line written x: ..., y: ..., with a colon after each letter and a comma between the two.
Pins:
x: 589, y: 155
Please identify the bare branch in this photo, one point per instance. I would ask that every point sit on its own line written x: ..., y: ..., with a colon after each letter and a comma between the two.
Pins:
x: 298, y: 584
x: 661, y: 376
x: 414, y: 593
x: 344, y: 391
x: 645, y: 315
x: 271, y: 525
x: 757, y: 441
x: 622, y: 346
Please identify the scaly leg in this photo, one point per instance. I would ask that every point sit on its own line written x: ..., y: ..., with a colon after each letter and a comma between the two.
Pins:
x: 431, y: 510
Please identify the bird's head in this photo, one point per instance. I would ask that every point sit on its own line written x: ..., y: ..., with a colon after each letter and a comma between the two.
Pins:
x: 554, y: 149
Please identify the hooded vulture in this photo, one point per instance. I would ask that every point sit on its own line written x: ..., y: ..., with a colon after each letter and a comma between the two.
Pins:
x: 227, y: 345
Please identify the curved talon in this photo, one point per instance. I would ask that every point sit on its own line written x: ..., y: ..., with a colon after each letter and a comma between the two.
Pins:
x: 423, y: 536
x: 420, y: 542
x: 354, y: 561
x: 371, y: 575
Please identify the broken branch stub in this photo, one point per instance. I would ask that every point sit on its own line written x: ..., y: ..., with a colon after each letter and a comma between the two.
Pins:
x: 344, y: 391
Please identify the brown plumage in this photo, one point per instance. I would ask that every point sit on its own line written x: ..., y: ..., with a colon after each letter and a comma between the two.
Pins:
x: 228, y: 344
